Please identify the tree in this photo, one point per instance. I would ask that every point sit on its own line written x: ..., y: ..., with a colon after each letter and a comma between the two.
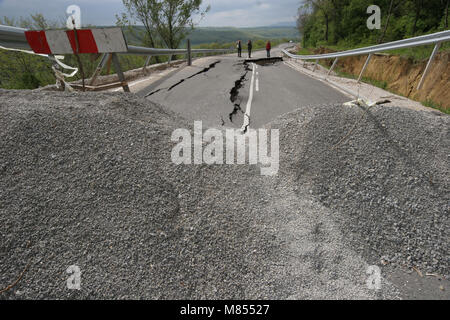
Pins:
x: 325, y: 7
x: 392, y: 7
x: 418, y: 5
x: 174, y: 18
x: 165, y: 20
x: 35, y: 21
x: 302, y: 19
x: 446, y: 15
x: 139, y: 10
x: 347, y: 20
x: 8, y: 21
x: 338, y: 6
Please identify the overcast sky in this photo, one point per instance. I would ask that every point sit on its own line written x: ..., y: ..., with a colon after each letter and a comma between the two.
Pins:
x: 237, y: 13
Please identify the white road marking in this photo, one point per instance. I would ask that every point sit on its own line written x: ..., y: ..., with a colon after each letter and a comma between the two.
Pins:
x: 335, y: 86
x: 257, y: 84
x: 246, y: 124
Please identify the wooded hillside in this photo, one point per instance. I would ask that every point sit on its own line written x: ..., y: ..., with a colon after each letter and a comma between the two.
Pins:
x: 343, y: 22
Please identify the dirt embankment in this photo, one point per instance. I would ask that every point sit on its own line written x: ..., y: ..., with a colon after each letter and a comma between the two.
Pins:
x: 403, y: 75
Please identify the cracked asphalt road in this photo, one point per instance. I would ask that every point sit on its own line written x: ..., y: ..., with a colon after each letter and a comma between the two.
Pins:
x: 216, y: 91
x: 86, y: 180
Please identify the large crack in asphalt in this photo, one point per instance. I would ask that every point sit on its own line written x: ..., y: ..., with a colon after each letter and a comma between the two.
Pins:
x: 266, y: 61
x: 234, y: 93
x: 206, y: 69
x: 152, y: 93
x: 211, y: 66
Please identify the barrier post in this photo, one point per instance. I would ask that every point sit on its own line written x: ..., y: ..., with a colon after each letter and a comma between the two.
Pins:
x: 116, y: 62
x: 99, y: 69
x: 365, y: 67
x: 315, y: 65
x: 189, y: 57
x: 427, y: 69
x: 146, y: 64
x: 333, y: 66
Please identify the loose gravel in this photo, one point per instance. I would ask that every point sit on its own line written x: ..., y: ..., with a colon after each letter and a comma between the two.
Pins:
x: 86, y: 180
x: 384, y: 171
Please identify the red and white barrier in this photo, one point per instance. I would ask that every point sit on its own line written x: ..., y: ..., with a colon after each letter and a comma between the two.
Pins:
x: 105, y: 40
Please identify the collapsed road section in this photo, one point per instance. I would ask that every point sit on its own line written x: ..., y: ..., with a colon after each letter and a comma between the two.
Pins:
x: 235, y: 98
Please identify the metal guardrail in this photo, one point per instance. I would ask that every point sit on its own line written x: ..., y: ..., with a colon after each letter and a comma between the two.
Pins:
x: 15, y: 38
x: 170, y: 52
x: 436, y: 38
x: 407, y: 43
x: 12, y: 37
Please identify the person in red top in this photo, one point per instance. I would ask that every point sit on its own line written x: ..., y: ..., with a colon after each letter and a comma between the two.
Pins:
x: 268, y: 48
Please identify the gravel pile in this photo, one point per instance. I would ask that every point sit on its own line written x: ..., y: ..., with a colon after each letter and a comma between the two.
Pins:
x: 384, y: 171
x: 80, y: 185
x: 86, y: 180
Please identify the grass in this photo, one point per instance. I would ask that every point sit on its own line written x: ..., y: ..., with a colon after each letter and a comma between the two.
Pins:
x: 305, y: 52
x: 431, y: 104
x: 417, y: 54
x: 377, y: 83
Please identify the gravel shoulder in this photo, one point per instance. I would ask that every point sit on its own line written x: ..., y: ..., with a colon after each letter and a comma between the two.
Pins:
x: 360, y: 90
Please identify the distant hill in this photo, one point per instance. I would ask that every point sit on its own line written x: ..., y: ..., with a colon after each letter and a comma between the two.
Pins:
x: 285, y: 24
x: 206, y: 35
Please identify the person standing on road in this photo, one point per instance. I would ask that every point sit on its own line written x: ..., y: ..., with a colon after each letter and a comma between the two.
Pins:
x: 239, y: 48
x: 250, y: 47
x: 268, y: 48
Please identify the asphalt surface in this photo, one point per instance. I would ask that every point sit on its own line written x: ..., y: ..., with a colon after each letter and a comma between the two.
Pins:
x: 216, y: 90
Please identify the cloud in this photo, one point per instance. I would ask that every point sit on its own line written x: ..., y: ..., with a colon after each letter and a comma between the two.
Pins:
x: 98, y: 12
x: 250, y: 13
x: 238, y: 13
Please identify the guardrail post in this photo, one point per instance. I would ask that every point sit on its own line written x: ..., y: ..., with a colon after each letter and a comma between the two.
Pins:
x: 99, y: 69
x: 147, y: 61
x: 189, y: 57
x: 430, y: 61
x: 108, y: 64
x: 333, y: 66
x: 365, y: 67
x: 315, y: 65
x: 116, y: 62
